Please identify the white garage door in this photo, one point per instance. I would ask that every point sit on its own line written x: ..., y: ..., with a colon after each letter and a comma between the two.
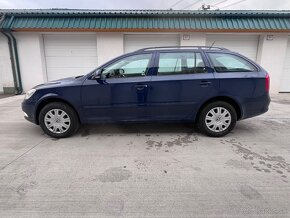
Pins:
x: 285, y: 82
x: 69, y: 55
x: 244, y: 44
x: 135, y: 42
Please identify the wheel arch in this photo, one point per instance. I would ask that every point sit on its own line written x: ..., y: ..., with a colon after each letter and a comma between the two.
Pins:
x: 52, y: 99
x: 227, y: 99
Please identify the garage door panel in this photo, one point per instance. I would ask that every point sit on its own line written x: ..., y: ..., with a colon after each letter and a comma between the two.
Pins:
x: 244, y: 44
x: 77, y: 52
x: 69, y: 55
x: 53, y: 72
x: 62, y: 43
x: 70, y: 62
x: 133, y: 42
x: 72, y: 43
x: 74, y: 71
x: 67, y: 39
x: 285, y: 79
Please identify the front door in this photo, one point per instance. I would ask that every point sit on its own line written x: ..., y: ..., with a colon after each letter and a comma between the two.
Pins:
x: 122, y: 92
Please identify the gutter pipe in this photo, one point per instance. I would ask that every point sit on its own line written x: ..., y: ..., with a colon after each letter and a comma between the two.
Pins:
x: 13, y: 51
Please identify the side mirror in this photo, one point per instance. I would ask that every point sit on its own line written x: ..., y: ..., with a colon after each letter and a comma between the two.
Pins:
x: 99, y: 76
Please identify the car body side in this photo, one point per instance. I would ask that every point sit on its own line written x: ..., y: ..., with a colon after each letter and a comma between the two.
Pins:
x: 244, y: 90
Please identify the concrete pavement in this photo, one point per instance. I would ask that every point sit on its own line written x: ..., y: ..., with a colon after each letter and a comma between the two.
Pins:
x: 146, y: 170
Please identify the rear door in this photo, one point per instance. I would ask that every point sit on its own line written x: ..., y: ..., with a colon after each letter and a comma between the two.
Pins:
x: 238, y: 77
x: 181, y: 81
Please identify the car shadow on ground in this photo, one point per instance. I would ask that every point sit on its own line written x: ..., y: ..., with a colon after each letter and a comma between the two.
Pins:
x: 242, y: 128
x: 110, y: 129
x: 136, y: 128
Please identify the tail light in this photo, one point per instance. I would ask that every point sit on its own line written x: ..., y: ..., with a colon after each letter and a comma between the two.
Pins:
x: 267, y: 83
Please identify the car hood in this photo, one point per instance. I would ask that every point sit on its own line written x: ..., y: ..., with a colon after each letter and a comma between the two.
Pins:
x: 60, y: 82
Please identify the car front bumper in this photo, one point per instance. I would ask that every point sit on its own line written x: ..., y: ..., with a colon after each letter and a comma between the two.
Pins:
x: 29, y: 111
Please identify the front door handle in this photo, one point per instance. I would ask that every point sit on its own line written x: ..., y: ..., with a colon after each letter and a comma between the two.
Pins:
x: 205, y: 83
x: 140, y: 86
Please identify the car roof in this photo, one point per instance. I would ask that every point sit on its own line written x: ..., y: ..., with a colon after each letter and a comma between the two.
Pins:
x: 177, y: 48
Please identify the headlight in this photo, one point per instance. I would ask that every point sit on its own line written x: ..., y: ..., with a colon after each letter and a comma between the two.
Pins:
x: 29, y: 93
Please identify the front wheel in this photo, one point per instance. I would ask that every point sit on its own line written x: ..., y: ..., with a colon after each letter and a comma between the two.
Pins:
x: 58, y: 120
x: 217, y: 119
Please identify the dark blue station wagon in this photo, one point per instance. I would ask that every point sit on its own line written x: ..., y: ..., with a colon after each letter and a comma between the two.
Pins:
x: 211, y: 86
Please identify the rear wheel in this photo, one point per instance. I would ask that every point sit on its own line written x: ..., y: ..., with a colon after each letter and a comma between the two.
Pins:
x: 217, y: 119
x: 58, y: 120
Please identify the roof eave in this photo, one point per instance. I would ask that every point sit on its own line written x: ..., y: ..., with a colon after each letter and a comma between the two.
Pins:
x: 147, y: 30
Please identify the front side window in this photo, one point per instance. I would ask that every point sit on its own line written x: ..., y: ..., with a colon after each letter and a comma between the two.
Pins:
x: 180, y: 63
x: 230, y: 63
x: 132, y: 66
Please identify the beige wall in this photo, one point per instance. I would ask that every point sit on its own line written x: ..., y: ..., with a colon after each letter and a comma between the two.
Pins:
x: 192, y: 39
x: 6, y: 76
x: 271, y: 56
x: 30, y: 59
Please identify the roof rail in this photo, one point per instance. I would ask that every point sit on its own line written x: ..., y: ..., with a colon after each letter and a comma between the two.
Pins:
x: 182, y: 47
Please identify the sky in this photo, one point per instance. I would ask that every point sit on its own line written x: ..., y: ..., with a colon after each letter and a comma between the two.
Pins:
x: 147, y: 4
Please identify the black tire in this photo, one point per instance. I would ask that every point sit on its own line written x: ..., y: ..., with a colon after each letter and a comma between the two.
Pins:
x: 74, y: 123
x: 202, y: 122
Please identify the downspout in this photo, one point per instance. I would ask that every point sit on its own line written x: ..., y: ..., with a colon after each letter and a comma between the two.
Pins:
x: 12, y: 44
x: 12, y: 63
x: 19, y: 89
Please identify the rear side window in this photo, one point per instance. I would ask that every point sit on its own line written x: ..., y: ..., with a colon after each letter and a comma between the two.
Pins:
x: 230, y: 63
x: 180, y: 63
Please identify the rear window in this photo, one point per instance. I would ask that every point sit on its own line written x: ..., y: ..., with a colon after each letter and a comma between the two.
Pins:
x: 227, y: 63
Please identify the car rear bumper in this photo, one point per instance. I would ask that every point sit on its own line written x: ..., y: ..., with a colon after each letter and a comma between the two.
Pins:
x: 256, y: 106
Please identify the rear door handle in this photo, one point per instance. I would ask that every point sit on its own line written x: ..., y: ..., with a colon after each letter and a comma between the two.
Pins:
x: 140, y: 86
x: 205, y: 83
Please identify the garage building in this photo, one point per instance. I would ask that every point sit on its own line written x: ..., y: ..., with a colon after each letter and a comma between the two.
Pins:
x: 38, y: 46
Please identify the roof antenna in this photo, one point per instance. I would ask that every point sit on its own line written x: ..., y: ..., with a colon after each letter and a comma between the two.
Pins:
x: 212, y: 45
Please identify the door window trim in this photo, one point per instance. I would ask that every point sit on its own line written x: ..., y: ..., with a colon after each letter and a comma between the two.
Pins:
x: 149, y: 68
